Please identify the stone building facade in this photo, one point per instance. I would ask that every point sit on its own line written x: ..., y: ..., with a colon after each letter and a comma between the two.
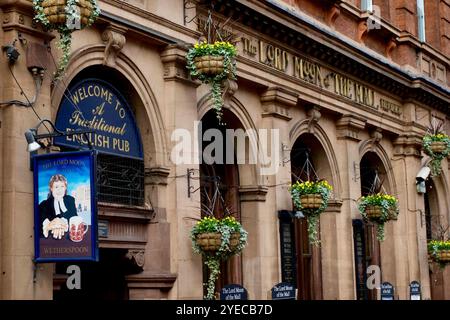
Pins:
x: 352, y: 91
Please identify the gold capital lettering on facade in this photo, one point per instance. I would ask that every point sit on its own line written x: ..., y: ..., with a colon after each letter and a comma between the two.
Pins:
x: 390, y: 107
x: 248, y: 47
x: 273, y: 56
x: 308, y: 71
x: 314, y: 73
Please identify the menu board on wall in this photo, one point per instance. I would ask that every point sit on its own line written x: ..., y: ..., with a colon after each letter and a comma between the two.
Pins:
x: 287, y: 243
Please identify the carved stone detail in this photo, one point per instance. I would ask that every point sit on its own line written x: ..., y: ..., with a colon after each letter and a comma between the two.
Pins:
x: 314, y: 116
x: 391, y: 45
x: 115, y: 40
x: 174, y: 60
x: 277, y: 101
x: 253, y: 193
x: 349, y: 126
x: 156, y: 176
x: 6, y: 18
x: 408, y: 145
x: 137, y: 257
x: 229, y: 88
x: 362, y: 31
x: 332, y: 15
x: 377, y: 135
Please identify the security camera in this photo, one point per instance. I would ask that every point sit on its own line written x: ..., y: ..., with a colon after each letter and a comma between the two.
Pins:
x: 423, y: 174
x: 11, y: 53
x: 421, y: 177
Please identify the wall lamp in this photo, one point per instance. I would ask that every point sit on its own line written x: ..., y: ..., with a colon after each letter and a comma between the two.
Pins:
x: 33, y: 138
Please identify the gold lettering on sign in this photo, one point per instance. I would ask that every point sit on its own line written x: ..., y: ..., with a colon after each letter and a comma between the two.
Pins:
x: 313, y: 73
x: 96, y: 124
x: 390, y: 107
x: 308, y: 71
x: 364, y: 95
x: 273, y: 56
x: 343, y: 86
x: 248, y: 47
x: 350, y: 89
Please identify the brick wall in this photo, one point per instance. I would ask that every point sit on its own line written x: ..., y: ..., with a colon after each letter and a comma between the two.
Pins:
x: 405, y: 15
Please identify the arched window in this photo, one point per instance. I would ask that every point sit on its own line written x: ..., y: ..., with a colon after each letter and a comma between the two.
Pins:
x: 105, y: 105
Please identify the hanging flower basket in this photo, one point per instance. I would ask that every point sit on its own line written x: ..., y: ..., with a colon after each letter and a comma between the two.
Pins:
x: 209, y: 241
x: 212, y: 63
x: 311, y: 201
x: 437, y: 146
x: 217, y: 240
x: 311, y: 198
x: 65, y: 16
x: 439, y: 251
x: 379, y: 208
x: 209, y: 65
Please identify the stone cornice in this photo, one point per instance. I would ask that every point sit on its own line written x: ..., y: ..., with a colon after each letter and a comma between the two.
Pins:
x: 156, y: 175
x: 18, y: 16
x: 25, y: 5
x: 174, y: 60
x: 277, y: 101
x: 253, y: 193
x: 163, y: 281
x: 122, y: 5
x: 125, y: 212
x: 349, y: 126
x: 334, y: 205
x: 406, y: 37
x: 408, y: 145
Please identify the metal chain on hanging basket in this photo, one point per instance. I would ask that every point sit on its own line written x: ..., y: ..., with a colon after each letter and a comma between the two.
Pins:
x: 311, y: 198
x: 213, y: 60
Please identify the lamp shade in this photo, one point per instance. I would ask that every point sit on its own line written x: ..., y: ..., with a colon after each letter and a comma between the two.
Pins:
x: 32, y: 144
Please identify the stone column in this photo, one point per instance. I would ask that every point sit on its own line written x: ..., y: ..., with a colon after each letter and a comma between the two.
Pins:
x: 257, y: 271
x: 348, y: 157
x: 156, y: 279
x: 183, y: 210
x: 19, y: 277
x: 262, y: 256
x: 410, y: 249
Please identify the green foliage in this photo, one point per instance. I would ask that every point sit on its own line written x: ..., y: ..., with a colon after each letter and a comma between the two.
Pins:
x: 299, y: 189
x: 434, y: 249
x: 65, y: 30
x: 388, y: 205
x: 219, y: 48
x: 436, y: 158
x: 225, y: 227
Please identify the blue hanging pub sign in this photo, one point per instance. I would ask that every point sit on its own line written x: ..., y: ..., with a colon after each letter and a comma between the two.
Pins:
x: 97, y: 105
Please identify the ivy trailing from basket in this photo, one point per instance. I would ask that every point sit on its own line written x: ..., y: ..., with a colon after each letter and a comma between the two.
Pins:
x: 303, y: 190
x: 74, y: 15
x: 212, y: 63
x: 385, y: 206
x: 437, y: 146
x: 226, y: 227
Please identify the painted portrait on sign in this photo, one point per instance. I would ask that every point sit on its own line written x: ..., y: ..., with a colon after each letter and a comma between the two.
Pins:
x: 65, y: 209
